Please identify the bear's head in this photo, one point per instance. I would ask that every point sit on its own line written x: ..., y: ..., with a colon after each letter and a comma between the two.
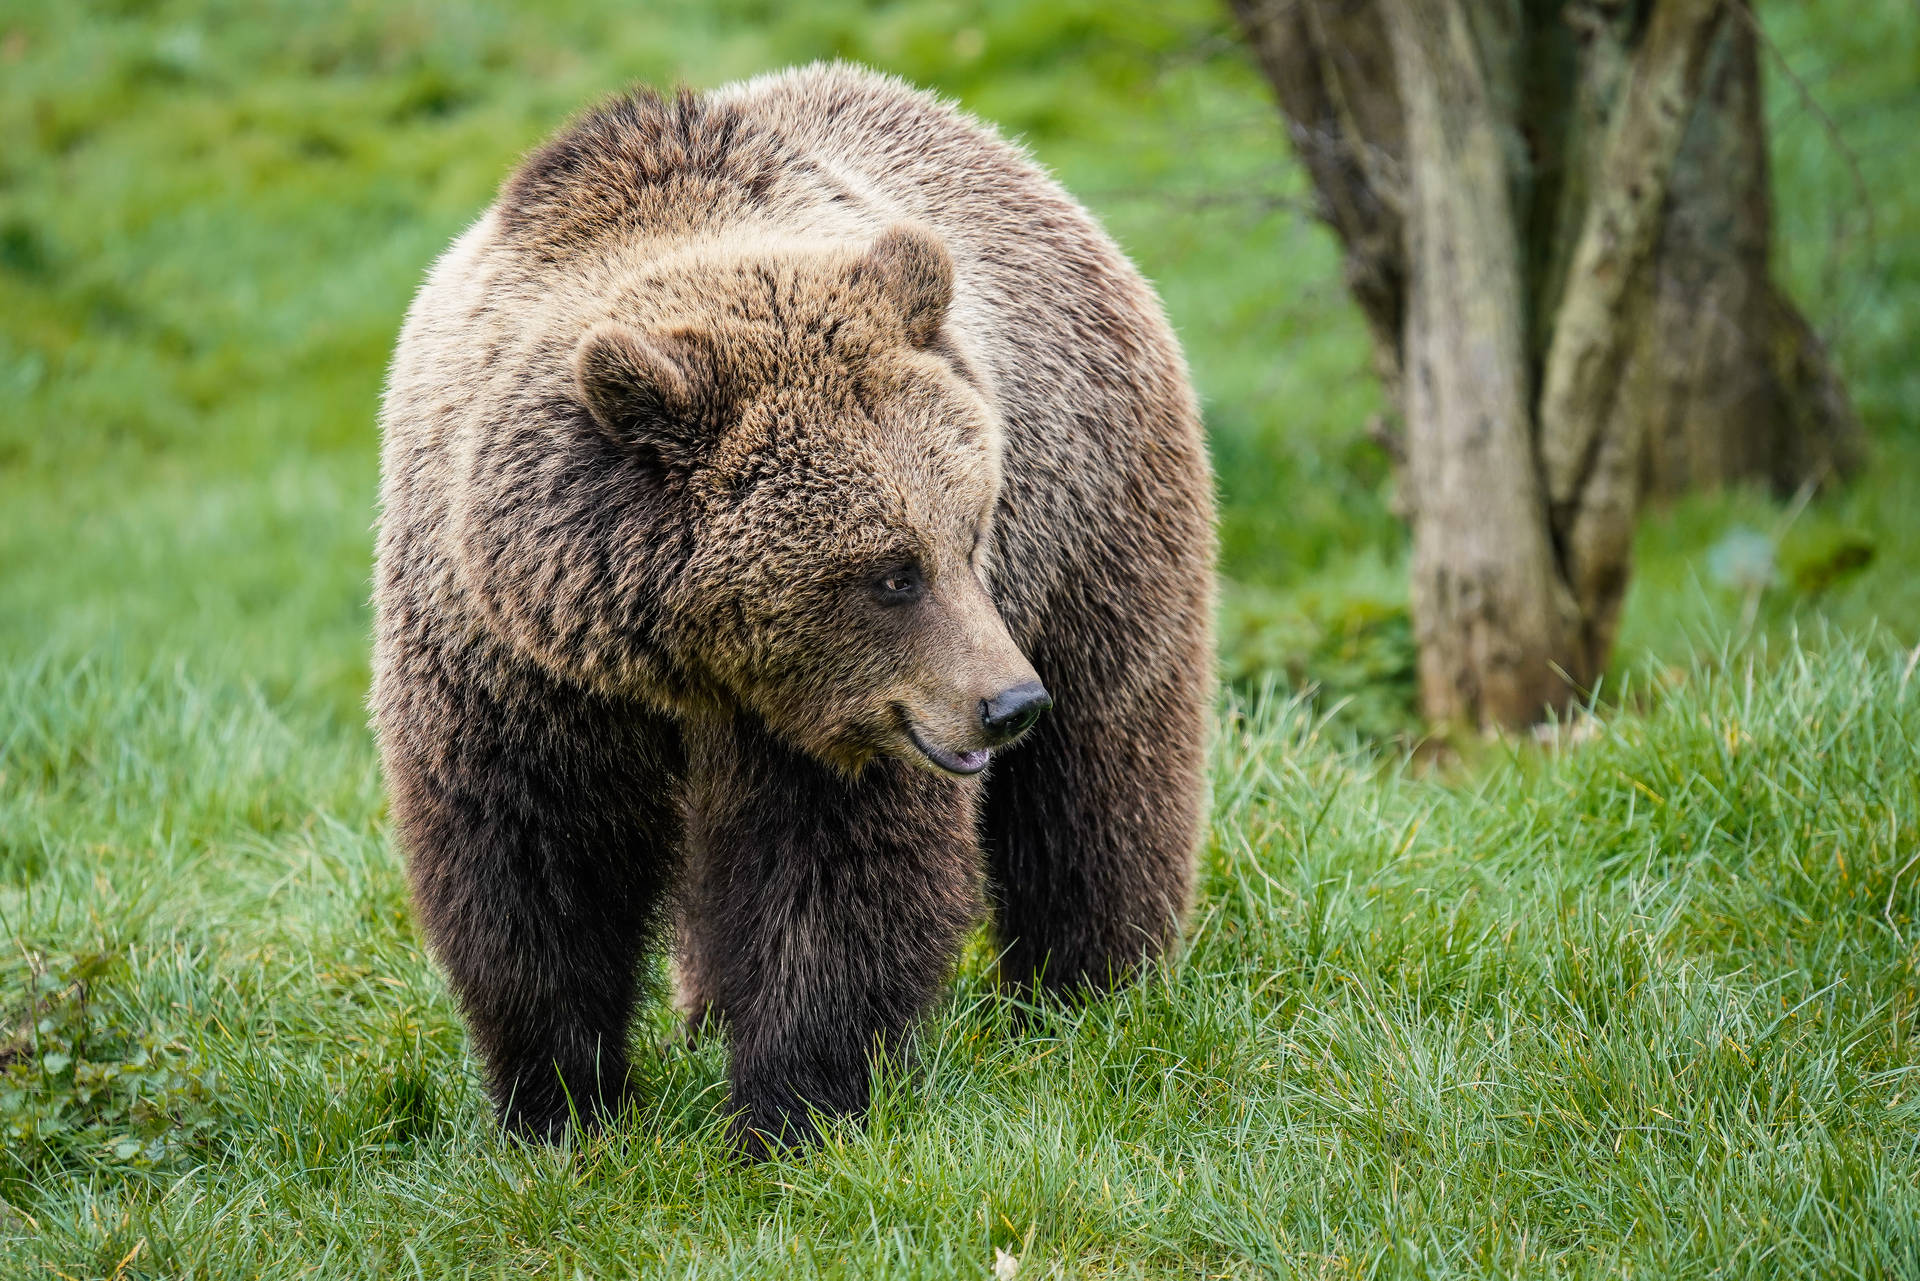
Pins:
x: 835, y: 471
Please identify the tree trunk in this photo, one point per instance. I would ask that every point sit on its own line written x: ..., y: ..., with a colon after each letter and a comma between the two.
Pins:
x: 1486, y: 592
x: 1556, y: 222
x: 1736, y: 386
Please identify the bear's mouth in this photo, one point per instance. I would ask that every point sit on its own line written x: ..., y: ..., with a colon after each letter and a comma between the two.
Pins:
x: 963, y: 764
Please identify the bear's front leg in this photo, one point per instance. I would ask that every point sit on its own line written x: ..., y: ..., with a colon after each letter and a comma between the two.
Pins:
x: 826, y: 911
x: 1092, y: 822
x: 540, y: 825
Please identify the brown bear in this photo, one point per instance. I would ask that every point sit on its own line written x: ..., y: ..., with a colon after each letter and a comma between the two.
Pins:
x: 756, y: 470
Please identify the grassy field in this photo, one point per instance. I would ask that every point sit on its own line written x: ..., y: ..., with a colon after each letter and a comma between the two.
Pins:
x: 1643, y: 1003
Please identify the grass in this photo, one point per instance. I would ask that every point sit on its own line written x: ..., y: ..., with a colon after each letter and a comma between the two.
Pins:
x: 1643, y: 1001
x: 1648, y: 1005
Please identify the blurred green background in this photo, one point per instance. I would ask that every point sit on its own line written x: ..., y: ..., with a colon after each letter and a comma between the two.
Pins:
x: 213, y: 214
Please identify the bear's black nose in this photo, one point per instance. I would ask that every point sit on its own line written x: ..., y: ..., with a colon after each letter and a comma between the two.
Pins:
x: 1011, y: 713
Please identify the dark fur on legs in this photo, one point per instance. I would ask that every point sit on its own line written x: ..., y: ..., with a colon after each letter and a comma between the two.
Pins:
x: 538, y: 866
x: 828, y: 913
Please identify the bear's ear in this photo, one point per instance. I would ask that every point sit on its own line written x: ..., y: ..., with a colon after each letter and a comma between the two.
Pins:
x: 641, y: 389
x: 915, y: 273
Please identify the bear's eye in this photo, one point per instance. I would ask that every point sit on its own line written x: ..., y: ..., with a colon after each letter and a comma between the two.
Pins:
x: 900, y: 585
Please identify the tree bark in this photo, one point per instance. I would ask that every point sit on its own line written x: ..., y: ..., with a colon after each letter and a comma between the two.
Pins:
x: 1486, y: 593
x: 1331, y: 68
x: 1590, y: 438
x: 1735, y: 385
x: 1556, y: 222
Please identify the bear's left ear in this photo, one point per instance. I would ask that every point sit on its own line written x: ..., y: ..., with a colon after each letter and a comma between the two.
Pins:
x: 915, y: 273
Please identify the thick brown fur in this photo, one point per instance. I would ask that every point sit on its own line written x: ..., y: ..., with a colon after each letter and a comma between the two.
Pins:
x: 733, y: 462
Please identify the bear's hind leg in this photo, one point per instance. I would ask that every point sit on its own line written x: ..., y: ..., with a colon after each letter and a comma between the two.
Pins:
x: 829, y: 911
x: 540, y: 828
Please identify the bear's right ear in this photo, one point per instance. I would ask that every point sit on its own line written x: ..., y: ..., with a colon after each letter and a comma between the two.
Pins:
x: 641, y: 389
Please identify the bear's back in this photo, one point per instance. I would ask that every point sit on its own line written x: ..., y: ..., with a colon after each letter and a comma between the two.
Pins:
x: 901, y: 150
x: 829, y: 151
x: 1025, y: 252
